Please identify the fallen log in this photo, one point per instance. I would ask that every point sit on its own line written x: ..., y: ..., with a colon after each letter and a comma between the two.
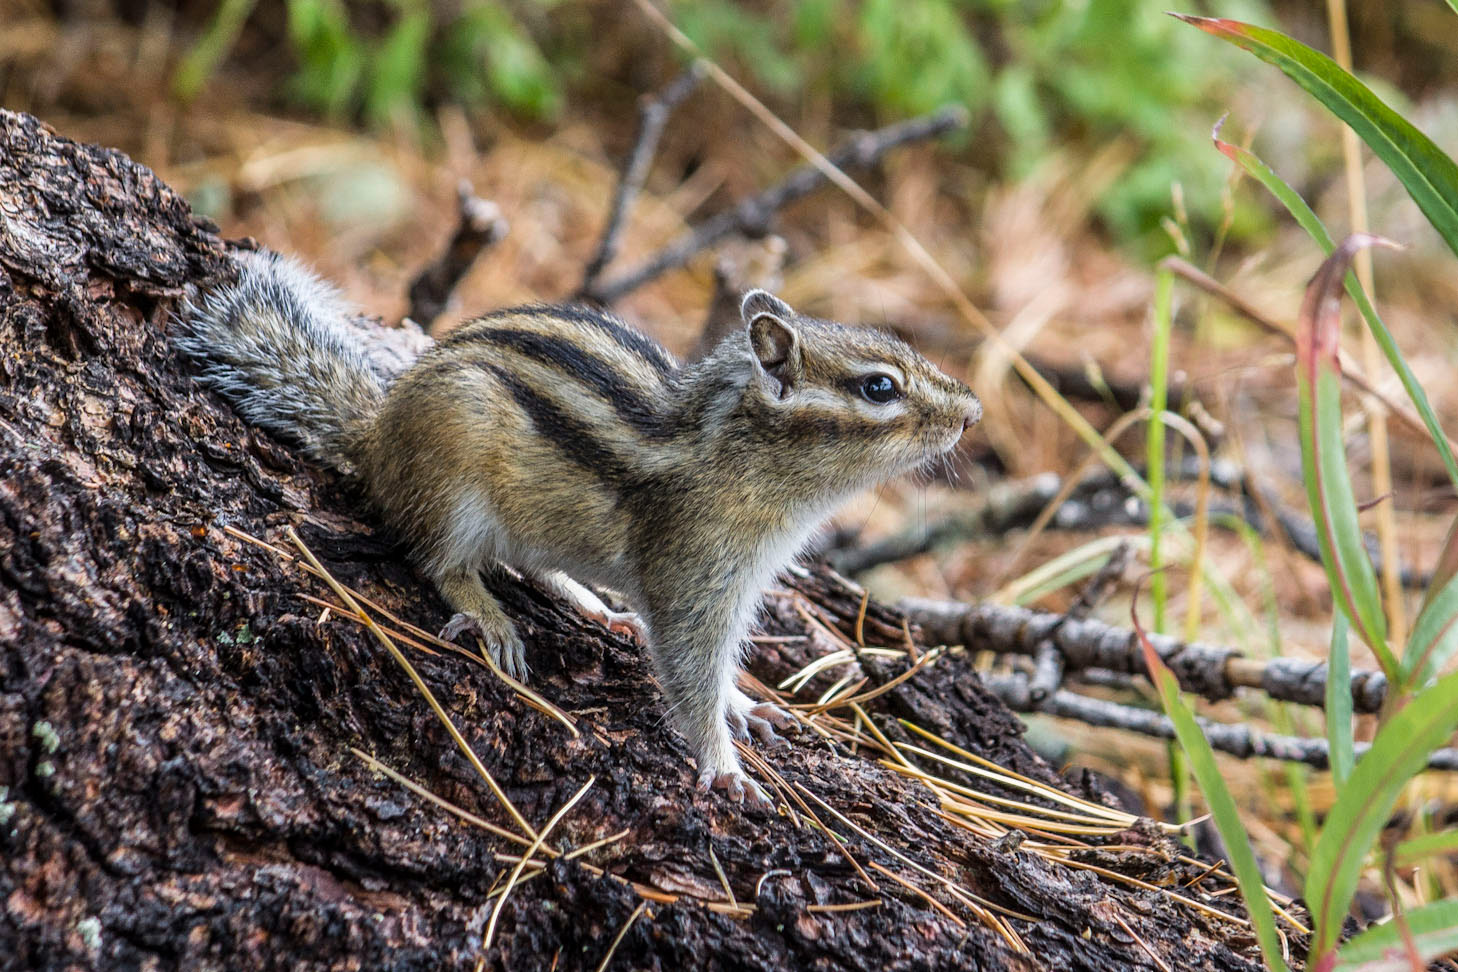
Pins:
x: 193, y: 749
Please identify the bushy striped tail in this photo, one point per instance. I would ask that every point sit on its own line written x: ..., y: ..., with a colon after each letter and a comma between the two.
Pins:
x: 276, y: 343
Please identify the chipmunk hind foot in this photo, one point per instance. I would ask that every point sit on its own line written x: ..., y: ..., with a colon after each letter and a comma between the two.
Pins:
x: 590, y: 606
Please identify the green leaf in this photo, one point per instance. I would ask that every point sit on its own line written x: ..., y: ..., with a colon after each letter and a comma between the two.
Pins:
x: 1308, y: 221
x: 1217, y: 796
x: 1323, y: 456
x: 1418, y: 849
x: 1430, y: 176
x: 1381, y: 948
x: 1154, y: 438
x: 1339, y: 704
x: 1364, y: 805
x: 488, y: 55
x: 331, y: 59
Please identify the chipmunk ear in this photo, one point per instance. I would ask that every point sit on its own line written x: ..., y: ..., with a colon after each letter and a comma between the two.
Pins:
x: 757, y: 302
x: 773, y: 338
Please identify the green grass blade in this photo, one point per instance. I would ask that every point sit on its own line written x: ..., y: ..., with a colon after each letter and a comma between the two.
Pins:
x: 1364, y: 805
x: 1434, y: 638
x: 1217, y: 795
x: 1307, y: 220
x: 1429, y: 176
x: 1447, y: 566
x: 1154, y: 439
x: 1381, y: 948
x: 199, y: 63
x: 1339, y: 704
x: 1323, y: 456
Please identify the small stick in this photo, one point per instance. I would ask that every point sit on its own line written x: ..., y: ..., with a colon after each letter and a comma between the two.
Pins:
x: 1212, y: 671
x: 480, y: 226
x: 1047, y: 658
x: 653, y: 112
x: 1256, y: 316
x: 1238, y: 740
x: 752, y: 216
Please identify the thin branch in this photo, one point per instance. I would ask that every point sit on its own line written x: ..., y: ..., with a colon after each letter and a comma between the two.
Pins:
x: 752, y: 216
x: 653, y: 113
x: 1048, y: 667
x: 480, y: 225
x: 1239, y: 739
x: 1256, y: 316
x: 1004, y: 507
x: 1099, y: 501
x: 1211, y: 671
x: 740, y: 266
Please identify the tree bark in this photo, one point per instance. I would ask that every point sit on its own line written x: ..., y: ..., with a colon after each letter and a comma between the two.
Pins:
x: 176, y: 783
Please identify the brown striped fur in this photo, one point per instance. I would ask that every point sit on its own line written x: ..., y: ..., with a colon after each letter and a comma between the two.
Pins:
x: 558, y: 440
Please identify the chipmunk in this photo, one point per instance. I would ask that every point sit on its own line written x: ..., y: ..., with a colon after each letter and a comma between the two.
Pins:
x: 571, y: 447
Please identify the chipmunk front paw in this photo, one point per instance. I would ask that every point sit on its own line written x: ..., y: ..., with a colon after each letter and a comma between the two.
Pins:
x: 501, y: 638
x: 737, y: 787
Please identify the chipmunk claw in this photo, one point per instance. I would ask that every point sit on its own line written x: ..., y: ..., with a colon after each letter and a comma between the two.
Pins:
x: 737, y: 787
x: 503, y: 643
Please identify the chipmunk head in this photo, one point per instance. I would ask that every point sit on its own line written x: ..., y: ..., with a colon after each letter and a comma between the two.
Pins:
x: 871, y: 405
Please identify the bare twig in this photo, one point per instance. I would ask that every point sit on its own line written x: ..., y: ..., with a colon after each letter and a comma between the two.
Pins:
x: 1212, y: 671
x: 1048, y: 664
x: 1005, y: 506
x: 481, y: 225
x: 1099, y: 500
x: 1406, y: 416
x: 1239, y: 739
x: 653, y: 112
x: 752, y: 216
x: 742, y: 265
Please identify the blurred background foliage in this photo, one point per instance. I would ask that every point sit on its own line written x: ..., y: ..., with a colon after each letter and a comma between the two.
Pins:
x: 1035, y: 74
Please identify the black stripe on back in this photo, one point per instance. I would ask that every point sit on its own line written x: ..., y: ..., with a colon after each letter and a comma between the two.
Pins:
x: 627, y: 338
x: 591, y: 370
x: 573, y: 438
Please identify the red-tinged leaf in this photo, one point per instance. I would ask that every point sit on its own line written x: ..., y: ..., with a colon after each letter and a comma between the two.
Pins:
x: 1323, y: 456
x: 1434, y: 637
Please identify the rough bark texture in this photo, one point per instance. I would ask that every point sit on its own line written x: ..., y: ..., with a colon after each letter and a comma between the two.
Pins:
x: 176, y: 786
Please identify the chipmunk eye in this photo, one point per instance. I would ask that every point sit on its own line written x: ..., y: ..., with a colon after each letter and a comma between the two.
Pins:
x: 879, y: 389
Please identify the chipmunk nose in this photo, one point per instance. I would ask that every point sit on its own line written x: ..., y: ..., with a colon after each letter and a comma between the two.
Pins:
x: 972, y: 415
